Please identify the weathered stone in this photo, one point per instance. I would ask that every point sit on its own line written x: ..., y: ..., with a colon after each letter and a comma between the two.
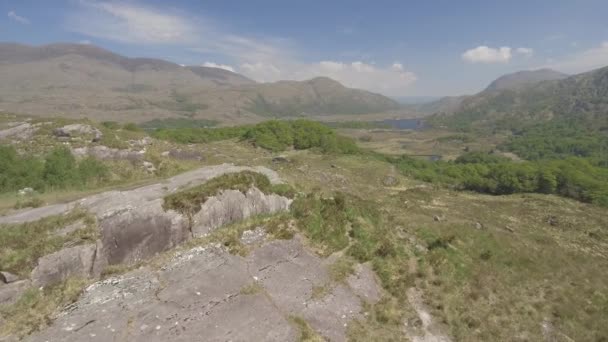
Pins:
x: 184, y: 154
x: 233, y: 205
x: 478, y: 225
x: 198, y: 295
x: 7, y: 277
x: 9, y: 293
x: 251, y: 237
x: 106, y: 153
x: 61, y: 265
x: 22, y: 131
x: 437, y: 218
x: 363, y: 282
x: 78, y: 225
x: 78, y: 129
x: 390, y: 181
x: 133, y: 235
x: 280, y: 159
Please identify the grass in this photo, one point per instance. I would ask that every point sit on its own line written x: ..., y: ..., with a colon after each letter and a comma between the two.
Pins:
x: 22, y: 244
x: 251, y: 289
x: 341, y: 269
x: 35, y: 307
x: 307, y: 334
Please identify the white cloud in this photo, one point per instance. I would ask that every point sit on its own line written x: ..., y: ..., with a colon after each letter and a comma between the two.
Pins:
x: 527, y: 52
x: 264, y: 59
x: 390, y: 80
x: 586, y: 60
x: 130, y: 23
x: 219, y: 66
x: 14, y: 16
x: 484, y: 54
x: 85, y: 42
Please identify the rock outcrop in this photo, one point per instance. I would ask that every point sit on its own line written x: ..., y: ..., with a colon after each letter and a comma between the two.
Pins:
x: 233, y: 205
x: 73, y: 130
x: 208, y: 294
x: 69, y: 262
x: 133, y: 225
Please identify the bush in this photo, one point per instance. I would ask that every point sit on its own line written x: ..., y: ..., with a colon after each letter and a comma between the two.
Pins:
x: 273, y: 135
x: 58, y: 170
x: 131, y: 127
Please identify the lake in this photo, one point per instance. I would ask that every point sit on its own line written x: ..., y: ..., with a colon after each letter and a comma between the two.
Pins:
x: 414, y: 124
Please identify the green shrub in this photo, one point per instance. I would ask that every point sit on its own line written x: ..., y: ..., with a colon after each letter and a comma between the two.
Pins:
x: 189, y: 201
x: 131, y: 127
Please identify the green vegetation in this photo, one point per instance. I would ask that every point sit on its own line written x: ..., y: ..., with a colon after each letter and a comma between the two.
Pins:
x: 462, y: 138
x: 272, y: 135
x: 307, y: 334
x: 131, y: 127
x: 199, y: 135
x: 571, y: 177
x: 188, y: 202
x: 58, y: 170
x: 22, y: 244
x: 35, y: 307
x: 172, y: 123
x: 558, y: 140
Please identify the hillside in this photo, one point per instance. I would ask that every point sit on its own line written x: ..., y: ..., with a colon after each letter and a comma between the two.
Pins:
x: 524, y: 78
x: 76, y: 80
x: 320, y: 95
x: 582, y: 97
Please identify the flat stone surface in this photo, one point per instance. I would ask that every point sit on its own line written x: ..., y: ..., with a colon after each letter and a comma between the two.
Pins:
x: 204, y: 294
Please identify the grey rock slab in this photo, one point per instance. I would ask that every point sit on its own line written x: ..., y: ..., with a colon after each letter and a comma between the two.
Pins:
x: 9, y: 293
x: 364, y: 283
x: 133, y: 235
x: 232, y: 205
x: 198, y: 296
x: 61, y: 265
x: 7, y: 278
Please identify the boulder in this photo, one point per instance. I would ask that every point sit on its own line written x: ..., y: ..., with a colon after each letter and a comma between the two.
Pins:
x: 390, y: 181
x: 9, y: 293
x: 134, y: 235
x: 233, y: 205
x: 68, y: 262
x: 280, y: 159
x: 22, y: 131
x: 73, y: 130
x: 105, y: 153
x: 7, y: 277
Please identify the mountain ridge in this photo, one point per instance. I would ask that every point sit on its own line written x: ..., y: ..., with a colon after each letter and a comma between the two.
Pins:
x: 76, y: 80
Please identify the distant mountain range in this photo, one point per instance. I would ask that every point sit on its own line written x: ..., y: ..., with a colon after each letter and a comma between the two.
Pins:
x: 534, y: 96
x: 77, y: 80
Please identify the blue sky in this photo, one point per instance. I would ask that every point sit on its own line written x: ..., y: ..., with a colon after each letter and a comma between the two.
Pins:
x: 399, y: 48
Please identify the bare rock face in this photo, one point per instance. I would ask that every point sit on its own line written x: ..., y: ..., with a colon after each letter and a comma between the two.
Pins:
x: 233, y: 205
x: 106, y: 153
x: 7, y: 278
x: 22, y: 131
x: 134, y: 235
x: 9, y: 293
x: 72, y: 130
x: 68, y: 262
x: 200, y: 295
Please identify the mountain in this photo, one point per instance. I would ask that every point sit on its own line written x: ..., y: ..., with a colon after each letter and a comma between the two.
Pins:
x: 320, y: 95
x: 77, y: 80
x: 582, y: 97
x: 523, y: 78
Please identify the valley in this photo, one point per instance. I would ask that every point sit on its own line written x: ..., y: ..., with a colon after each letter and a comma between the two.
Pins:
x: 143, y: 200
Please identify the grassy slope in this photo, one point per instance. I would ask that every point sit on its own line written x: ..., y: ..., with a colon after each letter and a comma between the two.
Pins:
x: 537, y: 259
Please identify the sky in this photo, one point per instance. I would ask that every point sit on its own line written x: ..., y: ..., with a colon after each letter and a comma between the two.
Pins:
x: 397, y: 48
